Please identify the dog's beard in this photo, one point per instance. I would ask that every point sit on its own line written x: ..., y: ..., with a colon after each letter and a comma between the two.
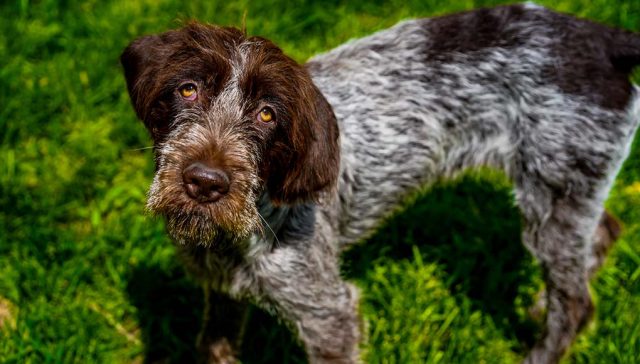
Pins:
x: 201, y: 228
x: 194, y: 228
x: 227, y: 223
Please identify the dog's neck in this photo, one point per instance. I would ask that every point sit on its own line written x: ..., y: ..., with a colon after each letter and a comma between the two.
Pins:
x: 280, y: 225
x: 272, y: 218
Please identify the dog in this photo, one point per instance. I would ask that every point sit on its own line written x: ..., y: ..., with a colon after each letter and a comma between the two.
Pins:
x: 267, y: 169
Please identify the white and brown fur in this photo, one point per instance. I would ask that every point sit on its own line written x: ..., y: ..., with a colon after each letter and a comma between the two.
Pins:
x: 543, y: 96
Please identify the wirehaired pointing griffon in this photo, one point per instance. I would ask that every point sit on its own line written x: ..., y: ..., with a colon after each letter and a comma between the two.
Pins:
x: 267, y: 170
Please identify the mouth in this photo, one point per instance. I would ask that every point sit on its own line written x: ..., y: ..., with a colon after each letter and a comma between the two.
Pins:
x: 197, y: 227
x: 226, y: 220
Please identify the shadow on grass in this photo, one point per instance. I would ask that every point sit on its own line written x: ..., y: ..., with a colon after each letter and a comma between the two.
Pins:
x: 169, y: 314
x: 169, y: 310
x: 470, y: 228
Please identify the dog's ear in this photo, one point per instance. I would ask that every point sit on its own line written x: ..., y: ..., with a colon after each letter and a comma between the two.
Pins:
x: 138, y: 60
x: 309, y: 165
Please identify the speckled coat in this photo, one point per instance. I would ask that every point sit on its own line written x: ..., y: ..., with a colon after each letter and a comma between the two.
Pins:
x: 543, y: 96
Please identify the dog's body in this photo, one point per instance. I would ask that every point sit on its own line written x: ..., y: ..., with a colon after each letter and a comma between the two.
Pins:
x: 543, y: 96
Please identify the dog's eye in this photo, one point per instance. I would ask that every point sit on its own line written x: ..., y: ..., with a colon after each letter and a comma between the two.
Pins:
x: 265, y: 115
x: 188, y: 91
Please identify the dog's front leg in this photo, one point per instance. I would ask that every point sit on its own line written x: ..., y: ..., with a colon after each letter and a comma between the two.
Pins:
x: 304, y: 287
x: 223, y: 321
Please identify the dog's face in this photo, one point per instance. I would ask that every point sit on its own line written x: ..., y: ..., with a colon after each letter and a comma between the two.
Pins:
x: 231, y: 117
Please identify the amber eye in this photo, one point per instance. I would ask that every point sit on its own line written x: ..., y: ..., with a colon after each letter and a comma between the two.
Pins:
x: 266, y: 115
x: 188, y: 91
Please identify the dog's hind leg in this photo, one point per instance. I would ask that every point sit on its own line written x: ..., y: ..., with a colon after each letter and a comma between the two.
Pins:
x: 606, y: 234
x: 559, y: 231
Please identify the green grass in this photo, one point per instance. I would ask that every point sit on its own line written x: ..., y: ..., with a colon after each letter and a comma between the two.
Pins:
x: 85, y: 276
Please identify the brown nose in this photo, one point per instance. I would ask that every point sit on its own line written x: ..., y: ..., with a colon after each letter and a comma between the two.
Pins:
x: 205, y: 184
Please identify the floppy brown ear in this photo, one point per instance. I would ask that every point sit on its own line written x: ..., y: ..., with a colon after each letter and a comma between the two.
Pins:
x: 310, y: 165
x: 138, y: 60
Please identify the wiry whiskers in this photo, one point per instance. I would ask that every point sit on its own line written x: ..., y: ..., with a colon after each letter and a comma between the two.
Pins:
x: 139, y: 149
x: 270, y: 229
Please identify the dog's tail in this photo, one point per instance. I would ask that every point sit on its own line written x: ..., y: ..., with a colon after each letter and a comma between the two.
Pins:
x: 624, y: 50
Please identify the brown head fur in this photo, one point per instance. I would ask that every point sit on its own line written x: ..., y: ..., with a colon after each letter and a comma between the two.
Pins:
x: 295, y: 157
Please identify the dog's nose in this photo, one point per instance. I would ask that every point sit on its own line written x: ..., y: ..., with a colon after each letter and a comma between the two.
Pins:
x: 205, y: 184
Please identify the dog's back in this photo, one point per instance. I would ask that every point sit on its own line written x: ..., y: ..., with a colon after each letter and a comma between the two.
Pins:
x: 517, y: 87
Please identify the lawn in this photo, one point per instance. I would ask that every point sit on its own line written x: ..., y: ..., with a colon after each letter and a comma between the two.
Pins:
x: 86, y: 276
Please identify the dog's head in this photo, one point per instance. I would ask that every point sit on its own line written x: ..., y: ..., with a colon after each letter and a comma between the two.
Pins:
x: 231, y: 117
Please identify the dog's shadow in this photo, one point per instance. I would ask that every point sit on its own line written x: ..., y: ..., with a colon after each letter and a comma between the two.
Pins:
x: 469, y: 227
x: 169, y: 307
